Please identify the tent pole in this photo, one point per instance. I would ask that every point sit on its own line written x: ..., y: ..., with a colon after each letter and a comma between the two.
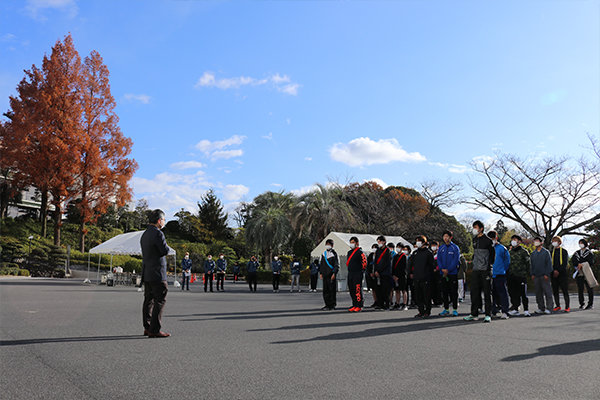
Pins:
x: 88, y: 275
x: 98, y: 274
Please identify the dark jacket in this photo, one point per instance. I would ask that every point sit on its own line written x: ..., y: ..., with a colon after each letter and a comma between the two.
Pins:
x: 559, y: 266
x: 252, y: 266
x: 356, y: 261
x: 483, y: 253
x: 370, y: 263
x: 295, y: 267
x: 421, y: 264
x: 330, y: 263
x: 581, y: 256
x: 520, y: 262
x: 541, y: 263
x: 399, y: 265
x: 462, y: 268
x: 186, y: 265
x: 276, y: 266
x: 209, y: 266
x: 383, y: 261
x: 221, y: 265
x: 314, y: 268
x: 154, y: 255
x: 236, y: 269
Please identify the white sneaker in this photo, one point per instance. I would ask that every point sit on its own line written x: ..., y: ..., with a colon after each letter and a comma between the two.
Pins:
x: 504, y: 316
x: 526, y: 314
x: 538, y: 311
x: 405, y: 308
x: 513, y: 313
x: 547, y: 312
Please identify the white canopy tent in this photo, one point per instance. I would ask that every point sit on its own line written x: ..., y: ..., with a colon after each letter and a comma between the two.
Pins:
x: 124, y: 244
x: 341, y: 244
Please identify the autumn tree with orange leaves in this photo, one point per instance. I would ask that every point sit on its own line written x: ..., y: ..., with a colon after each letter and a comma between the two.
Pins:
x: 64, y: 137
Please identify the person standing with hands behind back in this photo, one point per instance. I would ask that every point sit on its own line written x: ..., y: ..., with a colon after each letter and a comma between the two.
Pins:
x: 329, y: 267
x: 154, y: 274
x: 209, y: 269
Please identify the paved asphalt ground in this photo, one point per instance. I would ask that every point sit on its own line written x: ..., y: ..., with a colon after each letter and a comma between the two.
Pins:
x: 60, y: 339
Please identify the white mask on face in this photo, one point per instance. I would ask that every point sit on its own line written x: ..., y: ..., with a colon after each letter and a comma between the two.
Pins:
x: 210, y: 258
x: 352, y: 245
x: 433, y: 248
x: 405, y: 252
x: 222, y: 257
x: 373, y: 250
x: 327, y: 247
x: 581, y: 246
x: 399, y: 249
x: 555, y: 244
x: 381, y: 244
x: 475, y: 231
x: 514, y: 243
x: 537, y: 244
x: 187, y: 257
x: 276, y: 258
x: 419, y: 244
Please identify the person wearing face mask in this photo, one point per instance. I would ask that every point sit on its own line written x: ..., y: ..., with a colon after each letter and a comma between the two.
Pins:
x: 448, y: 262
x: 541, y: 270
x: 518, y: 271
x: 252, y: 269
x: 421, y: 267
x: 436, y: 281
x: 499, y: 270
x: 314, y: 275
x: 295, y: 267
x: 276, y: 267
x: 209, y: 269
x: 356, y: 261
x: 236, y: 272
x: 399, y: 275
x: 392, y: 250
x: 483, y: 258
x: 370, y: 274
x: 579, y: 257
x: 383, y: 274
x: 221, y: 269
x: 186, y: 271
x: 154, y: 274
x: 560, y: 278
x: 329, y: 267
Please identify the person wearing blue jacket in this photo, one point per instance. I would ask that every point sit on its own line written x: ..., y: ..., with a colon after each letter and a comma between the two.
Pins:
x: 276, y: 269
x: 499, y: 271
x: 541, y: 271
x: 252, y: 269
x: 448, y: 260
x: 314, y: 275
x: 295, y: 271
x: 186, y: 271
x: 221, y: 269
x: 209, y: 269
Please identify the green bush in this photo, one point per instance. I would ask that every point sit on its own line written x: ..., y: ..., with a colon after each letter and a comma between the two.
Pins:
x: 9, y: 271
x: 23, y: 272
x: 12, y: 249
x: 133, y: 265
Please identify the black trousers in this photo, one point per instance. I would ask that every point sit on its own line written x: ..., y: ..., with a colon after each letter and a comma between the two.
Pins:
x: 450, y: 291
x: 355, y: 289
x: 221, y: 280
x: 276, y: 281
x: 155, y: 294
x: 436, y: 289
x: 185, y: 281
x: 561, y: 282
x: 423, y: 296
x: 499, y: 294
x: 384, y: 290
x: 581, y: 282
x: 517, y: 291
x: 481, y: 281
x: 208, y: 277
x: 314, y: 278
x: 411, y: 291
x: 329, y: 290
x: 252, y: 280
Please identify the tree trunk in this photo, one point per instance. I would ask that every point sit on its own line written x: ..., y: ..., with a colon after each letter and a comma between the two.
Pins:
x: 44, y: 213
x: 82, y: 236
x: 57, y: 224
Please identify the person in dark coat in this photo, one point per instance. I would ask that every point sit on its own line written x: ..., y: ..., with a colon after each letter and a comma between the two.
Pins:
x: 154, y: 274
x: 356, y: 261
x: 252, y: 270
x: 209, y: 272
x: 421, y: 266
x: 382, y: 265
x: 329, y: 267
x: 186, y: 271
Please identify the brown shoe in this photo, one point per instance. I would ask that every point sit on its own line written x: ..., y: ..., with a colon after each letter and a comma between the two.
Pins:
x: 159, y: 335
x: 146, y: 332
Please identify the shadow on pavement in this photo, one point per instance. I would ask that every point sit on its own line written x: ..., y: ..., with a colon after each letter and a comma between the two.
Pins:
x: 388, y: 330
x: 19, y: 342
x: 563, y: 349
x: 244, y: 313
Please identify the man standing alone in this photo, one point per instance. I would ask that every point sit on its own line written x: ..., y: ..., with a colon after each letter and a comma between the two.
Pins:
x: 154, y: 274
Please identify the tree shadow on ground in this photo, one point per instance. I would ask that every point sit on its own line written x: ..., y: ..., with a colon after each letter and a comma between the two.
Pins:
x: 563, y: 349
x: 387, y: 330
x: 20, y: 342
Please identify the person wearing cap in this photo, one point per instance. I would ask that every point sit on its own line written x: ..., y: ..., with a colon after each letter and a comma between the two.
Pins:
x: 541, y: 270
x: 560, y: 277
x: 518, y: 271
x: 329, y: 267
x: 356, y: 262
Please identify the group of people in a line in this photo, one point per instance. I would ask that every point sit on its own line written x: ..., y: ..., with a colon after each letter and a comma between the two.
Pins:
x: 434, y: 274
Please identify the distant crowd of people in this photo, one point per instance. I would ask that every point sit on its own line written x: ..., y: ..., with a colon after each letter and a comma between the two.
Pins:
x: 400, y: 277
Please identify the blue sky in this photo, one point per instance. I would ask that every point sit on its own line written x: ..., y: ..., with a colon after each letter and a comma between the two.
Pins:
x: 246, y: 97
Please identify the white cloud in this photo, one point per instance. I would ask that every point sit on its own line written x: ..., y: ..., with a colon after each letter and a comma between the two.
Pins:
x: 276, y: 184
x: 35, y: 7
x: 281, y: 83
x: 268, y: 137
x: 483, y: 160
x: 304, y: 190
x: 365, y: 151
x: 227, y: 154
x: 307, y: 158
x: 454, y: 168
x: 235, y: 192
x: 378, y: 181
x: 141, y: 98
x: 187, y: 165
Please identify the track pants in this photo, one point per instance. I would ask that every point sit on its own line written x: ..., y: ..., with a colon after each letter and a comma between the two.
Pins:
x: 423, y: 296
x: 499, y: 294
x: 517, y: 290
x: 561, y: 282
x: 355, y: 289
x: 481, y: 282
x: 450, y: 291
x: 276, y: 281
x: 329, y: 290
x: 581, y: 282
